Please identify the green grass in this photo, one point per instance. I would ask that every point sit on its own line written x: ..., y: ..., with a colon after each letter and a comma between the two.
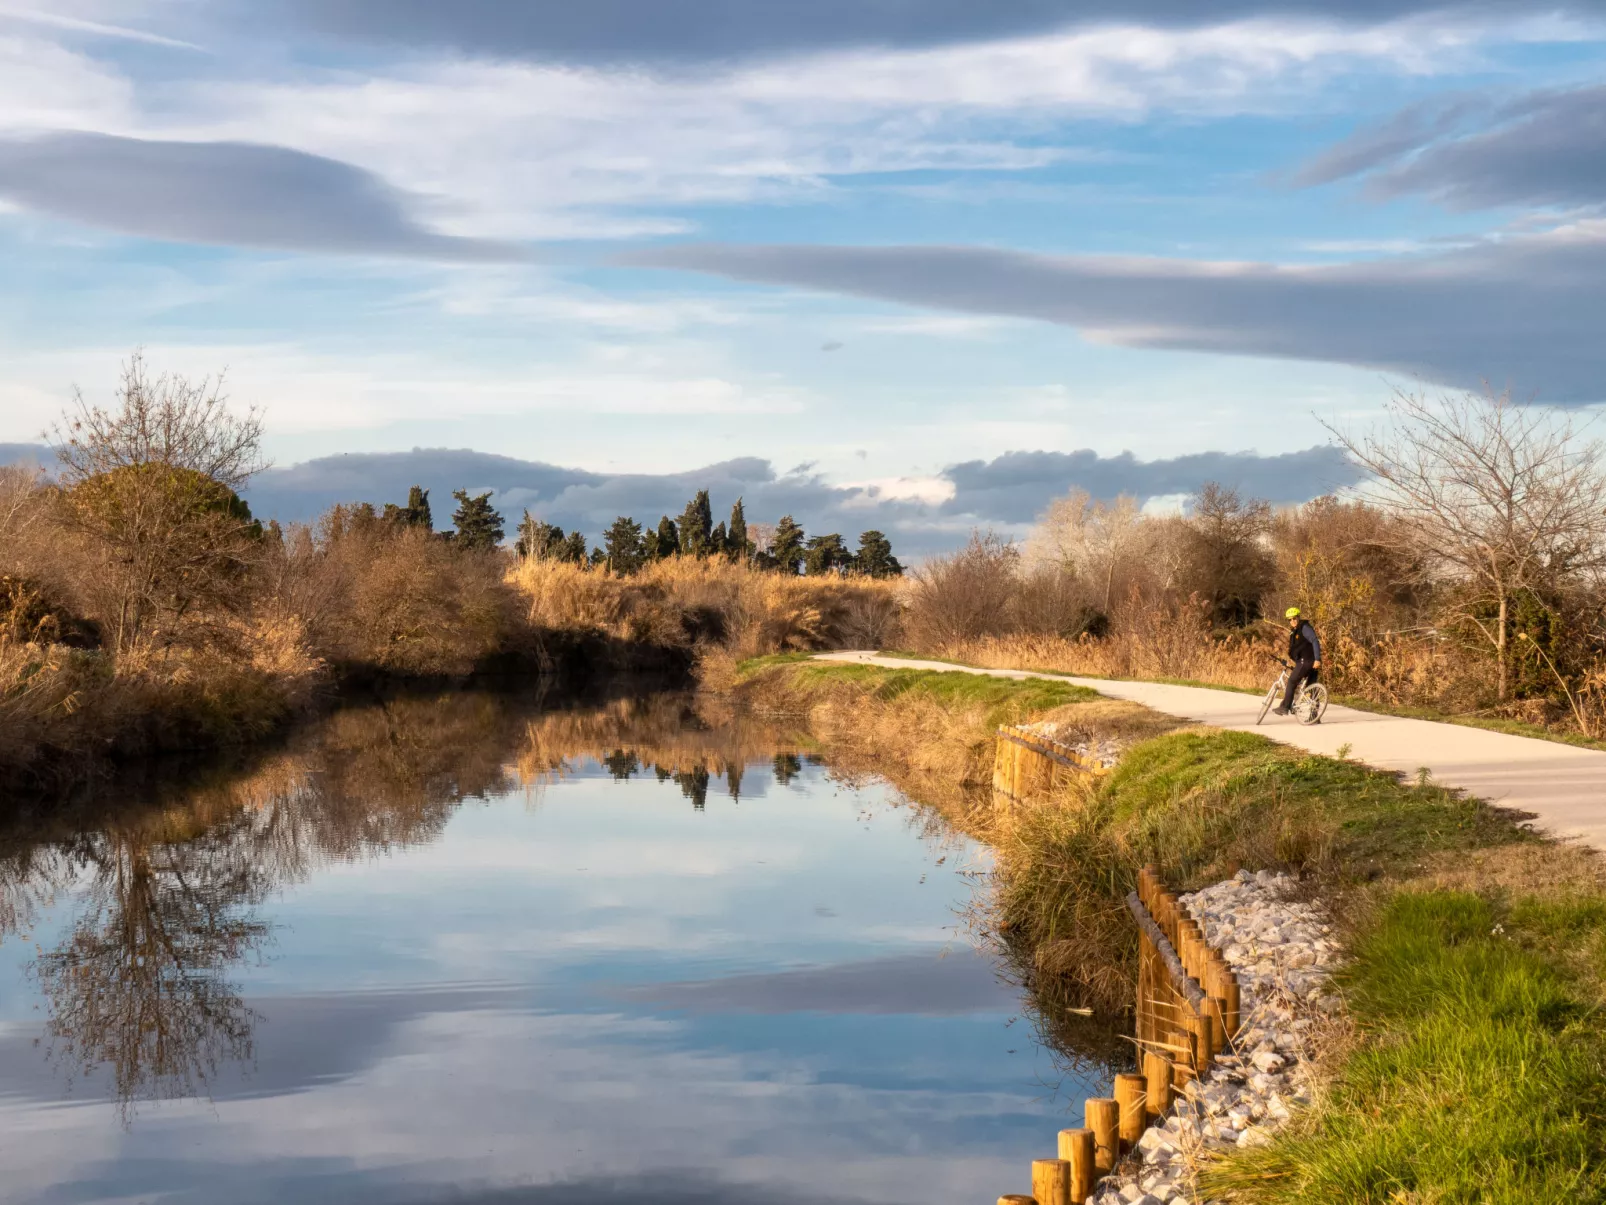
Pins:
x: 1481, y: 1071
x: 1007, y: 700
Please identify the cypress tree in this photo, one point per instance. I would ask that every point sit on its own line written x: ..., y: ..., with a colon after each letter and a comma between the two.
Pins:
x: 417, y: 514
x: 478, y: 525
x: 697, y: 526
x: 787, y: 547
x: 716, y: 540
x: 668, y: 538
x: 736, y: 534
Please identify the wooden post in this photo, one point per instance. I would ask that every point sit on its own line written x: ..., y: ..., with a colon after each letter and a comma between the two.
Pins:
x: 1184, y: 1061
x: 1103, y: 1117
x: 1077, y: 1149
x: 1216, y: 1015
x: 1199, y: 1026
x: 1017, y: 1198
x: 1158, y: 1072
x: 1051, y: 1182
x: 1129, y: 1093
x: 1232, y: 1003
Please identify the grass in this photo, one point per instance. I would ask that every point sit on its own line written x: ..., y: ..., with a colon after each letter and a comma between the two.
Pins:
x: 1480, y: 1070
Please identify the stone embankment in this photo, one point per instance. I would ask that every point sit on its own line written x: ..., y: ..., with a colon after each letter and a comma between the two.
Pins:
x: 1282, y: 952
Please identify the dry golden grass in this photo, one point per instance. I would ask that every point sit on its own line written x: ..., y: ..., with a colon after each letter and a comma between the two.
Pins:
x: 682, y: 602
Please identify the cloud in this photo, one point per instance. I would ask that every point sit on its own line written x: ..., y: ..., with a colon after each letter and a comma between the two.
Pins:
x: 965, y: 981
x: 1015, y: 487
x: 1545, y: 148
x: 1521, y: 310
x: 675, y: 33
x: 236, y: 193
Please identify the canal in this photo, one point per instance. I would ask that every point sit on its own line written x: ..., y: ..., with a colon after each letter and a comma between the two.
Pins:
x: 480, y: 947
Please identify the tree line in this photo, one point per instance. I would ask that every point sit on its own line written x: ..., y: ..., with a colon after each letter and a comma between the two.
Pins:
x: 628, y: 545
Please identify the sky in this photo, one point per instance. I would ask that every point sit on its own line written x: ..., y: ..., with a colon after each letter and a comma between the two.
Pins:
x: 913, y: 264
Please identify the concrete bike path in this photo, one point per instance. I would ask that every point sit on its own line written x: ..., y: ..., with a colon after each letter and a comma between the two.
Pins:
x: 1563, y: 786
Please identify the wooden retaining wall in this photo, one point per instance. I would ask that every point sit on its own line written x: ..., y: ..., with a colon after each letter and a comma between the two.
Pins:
x: 1188, y: 1011
x: 1027, y: 765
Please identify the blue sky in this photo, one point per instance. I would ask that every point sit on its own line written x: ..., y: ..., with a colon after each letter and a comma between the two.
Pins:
x: 845, y: 247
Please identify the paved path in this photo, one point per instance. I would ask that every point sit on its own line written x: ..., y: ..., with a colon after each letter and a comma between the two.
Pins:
x: 1562, y: 785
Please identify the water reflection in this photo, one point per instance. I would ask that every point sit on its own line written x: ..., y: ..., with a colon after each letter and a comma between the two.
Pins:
x: 396, y: 903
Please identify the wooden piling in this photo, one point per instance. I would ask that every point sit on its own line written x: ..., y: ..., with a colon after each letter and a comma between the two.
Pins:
x: 1051, y: 1182
x: 1215, y: 1014
x: 1077, y: 1147
x: 1017, y: 1198
x: 1130, y: 1091
x: 1103, y: 1116
x: 1158, y: 1073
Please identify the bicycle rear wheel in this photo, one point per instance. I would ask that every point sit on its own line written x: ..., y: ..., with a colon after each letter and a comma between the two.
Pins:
x: 1313, y: 704
x: 1271, y: 698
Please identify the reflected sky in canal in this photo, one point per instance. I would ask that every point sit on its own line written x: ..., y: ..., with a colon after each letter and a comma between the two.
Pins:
x: 560, y: 985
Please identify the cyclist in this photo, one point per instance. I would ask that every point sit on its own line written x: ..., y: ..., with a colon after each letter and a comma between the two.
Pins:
x: 1305, y: 651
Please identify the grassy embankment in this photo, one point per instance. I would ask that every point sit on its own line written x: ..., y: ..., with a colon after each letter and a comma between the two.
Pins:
x: 1472, y: 1066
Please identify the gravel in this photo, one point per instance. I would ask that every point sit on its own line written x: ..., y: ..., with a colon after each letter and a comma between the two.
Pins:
x: 1282, y: 951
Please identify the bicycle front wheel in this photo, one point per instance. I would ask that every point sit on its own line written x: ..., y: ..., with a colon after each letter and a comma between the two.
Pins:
x: 1271, y: 698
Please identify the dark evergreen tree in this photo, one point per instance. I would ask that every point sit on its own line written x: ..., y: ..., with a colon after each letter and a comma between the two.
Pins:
x: 478, y: 525
x: 574, y: 548
x: 623, y: 543
x: 668, y: 538
x: 697, y: 526
x: 826, y: 554
x: 874, y: 558
x: 737, y: 546
x: 598, y: 557
x: 716, y: 541
x: 418, y: 509
x: 786, y: 549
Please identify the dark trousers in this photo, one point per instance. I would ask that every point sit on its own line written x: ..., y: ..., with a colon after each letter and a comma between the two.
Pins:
x: 1303, y: 671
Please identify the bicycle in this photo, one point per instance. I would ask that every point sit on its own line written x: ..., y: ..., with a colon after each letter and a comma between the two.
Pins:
x: 1309, y: 705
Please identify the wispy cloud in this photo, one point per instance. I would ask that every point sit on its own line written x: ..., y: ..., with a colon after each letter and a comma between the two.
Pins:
x: 1517, y: 311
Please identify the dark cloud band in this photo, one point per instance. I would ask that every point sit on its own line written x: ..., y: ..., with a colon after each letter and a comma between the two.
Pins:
x: 1520, y: 311
x: 684, y: 32
x: 227, y: 193
x: 1007, y: 491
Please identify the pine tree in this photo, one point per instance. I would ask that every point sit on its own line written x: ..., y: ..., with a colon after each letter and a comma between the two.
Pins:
x: 716, y: 540
x: 697, y: 526
x: 787, y: 547
x: 574, y: 549
x: 875, y: 557
x: 736, y: 544
x: 668, y: 538
x: 826, y: 554
x: 478, y: 525
x: 623, y: 543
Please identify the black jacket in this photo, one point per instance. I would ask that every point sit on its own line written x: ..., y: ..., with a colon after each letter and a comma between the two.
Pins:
x: 1303, y: 644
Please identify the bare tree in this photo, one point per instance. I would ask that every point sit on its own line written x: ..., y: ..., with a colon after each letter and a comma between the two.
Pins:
x: 168, y: 420
x: 1501, y: 495
x: 1094, y: 541
x: 150, y: 489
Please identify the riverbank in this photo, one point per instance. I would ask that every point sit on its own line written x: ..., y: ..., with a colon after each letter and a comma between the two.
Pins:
x: 1473, y: 1056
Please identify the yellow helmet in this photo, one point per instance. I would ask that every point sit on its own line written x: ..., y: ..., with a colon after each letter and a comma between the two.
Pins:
x: 1291, y: 612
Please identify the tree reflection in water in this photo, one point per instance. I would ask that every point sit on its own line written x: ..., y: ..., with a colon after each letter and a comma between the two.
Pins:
x: 140, y: 985
x: 167, y: 886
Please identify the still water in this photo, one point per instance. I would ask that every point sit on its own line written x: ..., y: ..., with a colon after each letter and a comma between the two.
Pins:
x: 474, y: 949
